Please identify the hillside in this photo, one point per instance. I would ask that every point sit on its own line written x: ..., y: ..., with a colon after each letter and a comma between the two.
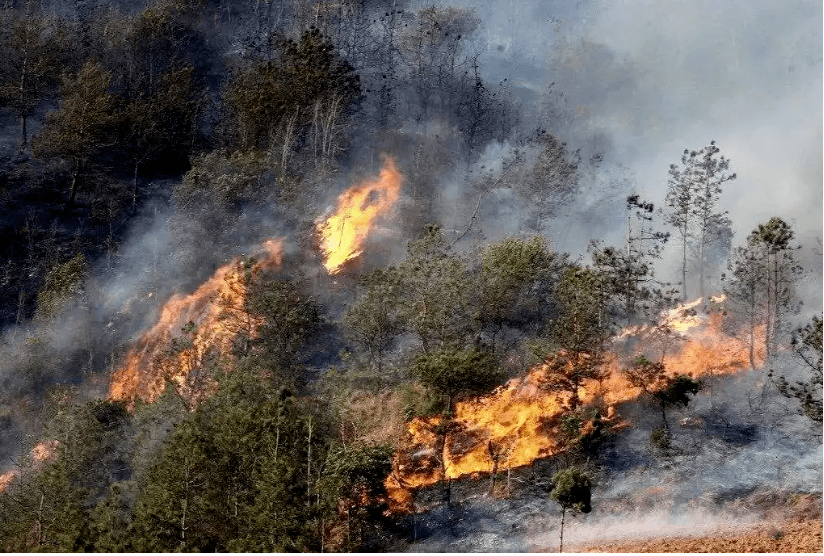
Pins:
x: 403, y: 275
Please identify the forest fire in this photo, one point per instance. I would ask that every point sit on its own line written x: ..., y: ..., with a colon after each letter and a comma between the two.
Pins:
x: 343, y: 233
x: 521, y: 421
x: 209, y: 320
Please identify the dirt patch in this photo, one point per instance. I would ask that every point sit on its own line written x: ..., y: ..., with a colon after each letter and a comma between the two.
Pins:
x: 796, y: 536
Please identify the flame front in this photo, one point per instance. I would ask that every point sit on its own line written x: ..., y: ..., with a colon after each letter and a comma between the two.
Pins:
x: 216, y: 310
x: 520, y: 422
x: 343, y: 234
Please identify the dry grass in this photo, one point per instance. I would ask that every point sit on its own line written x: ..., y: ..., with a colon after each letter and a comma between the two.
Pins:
x: 796, y: 536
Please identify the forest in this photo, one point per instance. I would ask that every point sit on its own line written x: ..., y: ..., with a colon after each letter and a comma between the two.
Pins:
x: 300, y: 275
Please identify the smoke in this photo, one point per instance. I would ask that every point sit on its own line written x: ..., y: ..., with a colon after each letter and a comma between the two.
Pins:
x: 642, y: 81
x: 81, y: 346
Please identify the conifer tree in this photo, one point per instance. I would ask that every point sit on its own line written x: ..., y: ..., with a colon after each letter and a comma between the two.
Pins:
x: 761, y: 283
x: 30, y: 65
x: 82, y: 126
x: 693, y: 197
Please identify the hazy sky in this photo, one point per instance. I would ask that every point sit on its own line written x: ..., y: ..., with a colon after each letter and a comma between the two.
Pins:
x: 657, y: 77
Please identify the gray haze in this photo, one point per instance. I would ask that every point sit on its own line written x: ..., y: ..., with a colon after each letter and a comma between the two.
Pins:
x: 641, y: 81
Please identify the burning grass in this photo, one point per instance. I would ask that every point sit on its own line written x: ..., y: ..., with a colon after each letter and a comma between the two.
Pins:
x: 190, y: 328
x: 520, y: 422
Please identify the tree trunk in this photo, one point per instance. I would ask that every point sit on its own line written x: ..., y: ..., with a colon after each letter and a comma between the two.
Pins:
x: 563, y: 516
x: 684, y: 264
x: 701, y: 269
x: 752, y: 325
x: 183, y: 525
x: 134, y: 185
x: 769, y: 316
x: 493, y: 455
x: 73, y: 188
x: 23, y: 134
x: 309, y: 466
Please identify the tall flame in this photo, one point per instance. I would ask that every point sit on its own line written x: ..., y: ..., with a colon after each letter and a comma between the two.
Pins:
x: 342, y: 234
x: 216, y: 312
x: 520, y: 421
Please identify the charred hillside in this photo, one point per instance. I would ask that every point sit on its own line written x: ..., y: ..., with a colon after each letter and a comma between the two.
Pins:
x: 397, y: 275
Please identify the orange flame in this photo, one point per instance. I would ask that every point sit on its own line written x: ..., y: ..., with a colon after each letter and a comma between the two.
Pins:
x: 216, y: 312
x: 342, y: 234
x: 39, y: 454
x: 520, y: 422
x: 44, y: 451
x: 6, y: 479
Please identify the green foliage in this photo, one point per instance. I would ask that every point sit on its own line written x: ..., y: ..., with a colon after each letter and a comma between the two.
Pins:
x: 435, y: 292
x: 110, y: 519
x: 283, y: 93
x: 233, y: 476
x: 354, y: 480
x: 161, y: 126
x: 82, y: 126
x: 455, y: 371
x: 673, y: 391
x: 660, y: 439
x: 516, y: 280
x: 761, y: 283
x: 374, y: 320
x: 572, y: 489
x: 628, y: 274
x: 694, y: 192
x: 160, y: 38
x: 584, y: 431
x: 418, y: 403
x: 223, y: 179
x: 678, y: 389
x: 63, y: 284
x: 578, y: 336
x: 646, y: 374
x: 667, y: 391
x: 807, y: 346
x: 427, y: 294
x: 581, y: 325
x: 48, y: 507
x: 291, y: 318
x: 32, y: 48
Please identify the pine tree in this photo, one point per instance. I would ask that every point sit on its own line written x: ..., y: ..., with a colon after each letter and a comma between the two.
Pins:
x: 578, y: 336
x: 82, y: 126
x: 692, y: 198
x: 761, y: 282
x: 30, y: 65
